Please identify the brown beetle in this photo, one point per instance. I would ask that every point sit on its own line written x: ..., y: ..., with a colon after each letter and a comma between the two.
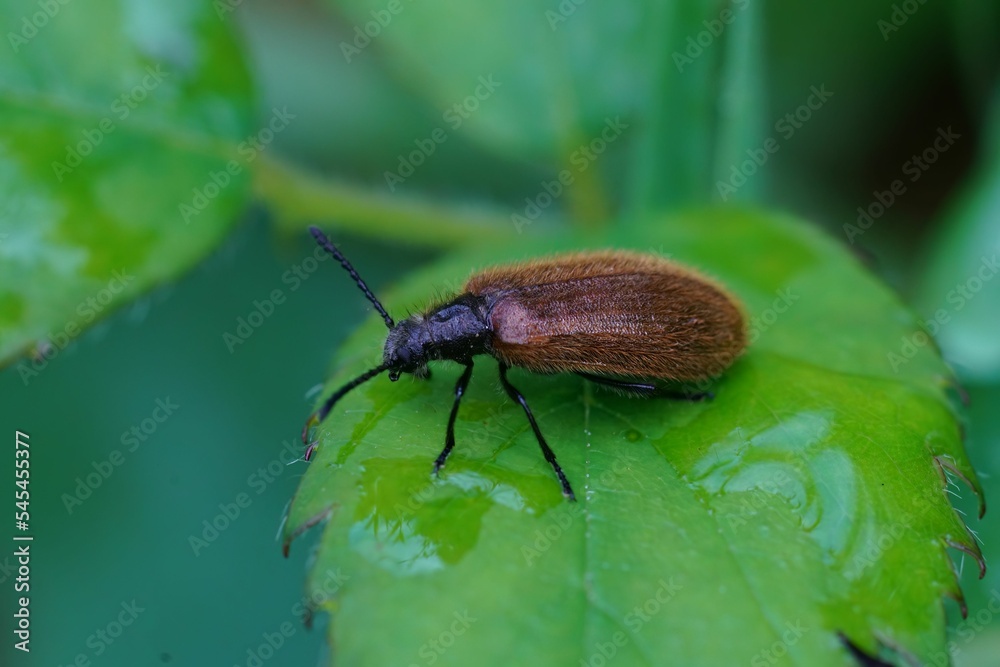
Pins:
x: 617, y: 318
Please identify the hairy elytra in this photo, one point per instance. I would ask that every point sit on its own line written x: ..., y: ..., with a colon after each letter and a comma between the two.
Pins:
x: 617, y: 318
x: 614, y: 312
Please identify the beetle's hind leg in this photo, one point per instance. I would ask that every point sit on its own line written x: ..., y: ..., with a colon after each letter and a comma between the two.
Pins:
x: 546, y: 450
x: 646, y: 389
x: 623, y: 386
x: 449, y: 438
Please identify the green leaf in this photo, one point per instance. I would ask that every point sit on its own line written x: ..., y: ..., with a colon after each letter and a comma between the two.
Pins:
x: 570, y: 68
x: 807, y: 500
x: 741, y: 126
x: 705, y: 105
x: 116, y: 115
x: 648, y: 71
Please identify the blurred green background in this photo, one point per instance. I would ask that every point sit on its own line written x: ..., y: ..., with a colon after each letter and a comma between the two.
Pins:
x: 892, y: 91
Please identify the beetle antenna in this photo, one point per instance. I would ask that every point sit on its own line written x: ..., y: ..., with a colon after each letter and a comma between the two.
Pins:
x: 332, y: 249
x: 328, y: 404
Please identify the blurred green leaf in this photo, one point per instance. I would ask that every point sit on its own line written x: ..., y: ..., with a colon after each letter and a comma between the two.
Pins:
x: 960, y: 290
x: 874, y: 83
x: 984, y: 652
x: 567, y: 70
x: 579, y: 76
x: 742, y: 103
x: 120, y: 120
x: 705, y: 103
x: 973, y: 639
x: 806, y: 500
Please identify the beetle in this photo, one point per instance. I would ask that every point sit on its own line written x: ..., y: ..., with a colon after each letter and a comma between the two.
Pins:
x: 618, y: 318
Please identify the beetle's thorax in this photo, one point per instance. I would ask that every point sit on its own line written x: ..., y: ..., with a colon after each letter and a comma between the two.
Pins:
x: 458, y: 330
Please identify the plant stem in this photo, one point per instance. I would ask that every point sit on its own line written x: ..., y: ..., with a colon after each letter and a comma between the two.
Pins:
x: 296, y: 196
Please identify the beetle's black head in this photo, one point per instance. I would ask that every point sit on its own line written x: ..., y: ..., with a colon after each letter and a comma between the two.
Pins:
x: 456, y: 330
x: 406, y: 348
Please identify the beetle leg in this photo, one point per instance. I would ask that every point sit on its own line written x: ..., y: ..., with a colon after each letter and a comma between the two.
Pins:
x: 634, y: 388
x: 546, y: 450
x: 317, y: 417
x: 647, y: 389
x: 449, y: 439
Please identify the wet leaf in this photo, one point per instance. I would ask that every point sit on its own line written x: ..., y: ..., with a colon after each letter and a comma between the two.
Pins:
x: 805, y: 503
x: 121, y: 120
